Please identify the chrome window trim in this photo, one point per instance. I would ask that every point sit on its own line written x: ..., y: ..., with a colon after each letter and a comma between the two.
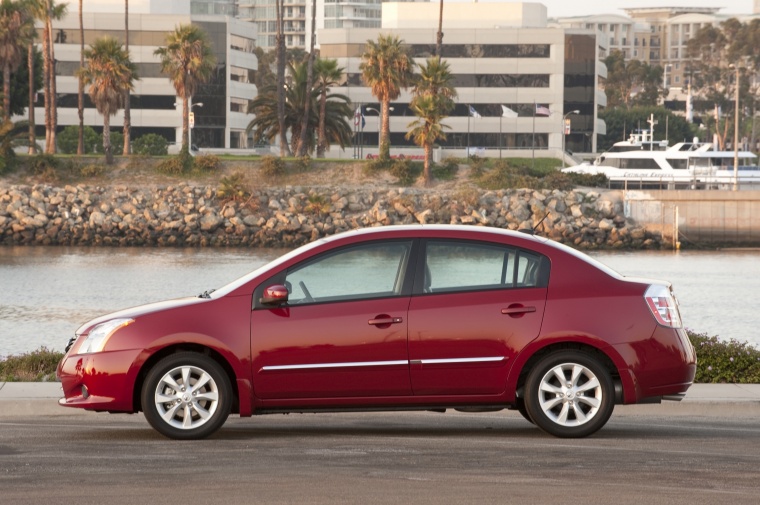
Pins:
x: 486, y: 359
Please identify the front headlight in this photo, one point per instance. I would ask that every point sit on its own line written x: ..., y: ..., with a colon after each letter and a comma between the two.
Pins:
x: 99, y: 335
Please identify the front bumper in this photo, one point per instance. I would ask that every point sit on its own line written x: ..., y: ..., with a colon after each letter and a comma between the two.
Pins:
x: 99, y: 381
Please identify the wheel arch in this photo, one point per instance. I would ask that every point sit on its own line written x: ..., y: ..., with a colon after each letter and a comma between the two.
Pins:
x: 527, y: 360
x: 185, y: 347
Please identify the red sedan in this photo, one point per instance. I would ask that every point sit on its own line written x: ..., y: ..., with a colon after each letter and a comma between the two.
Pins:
x: 393, y: 318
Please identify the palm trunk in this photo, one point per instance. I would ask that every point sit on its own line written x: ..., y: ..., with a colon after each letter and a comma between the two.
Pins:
x: 284, y: 149
x: 7, y: 91
x: 30, y: 64
x: 46, y: 83
x: 80, y: 103
x: 385, y: 146
x: 53, y: 88
x: 428, y: 160
x: 321, y: 142
x: 127, y: 115
x: 185, y: 124
x: 439, y: 35
x: 302, y: 151
x: 107, y: 139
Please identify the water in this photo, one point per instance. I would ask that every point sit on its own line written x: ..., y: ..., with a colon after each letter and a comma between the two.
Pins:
x: 47, y: 292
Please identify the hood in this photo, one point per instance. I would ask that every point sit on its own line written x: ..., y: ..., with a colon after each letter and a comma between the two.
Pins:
x: 140, y: 310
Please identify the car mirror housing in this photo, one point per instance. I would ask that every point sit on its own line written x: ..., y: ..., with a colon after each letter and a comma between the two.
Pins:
x: 274, y: 295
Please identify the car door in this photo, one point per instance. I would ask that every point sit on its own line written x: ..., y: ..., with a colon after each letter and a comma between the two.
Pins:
x: 475, y: 306
x: 343, y: 331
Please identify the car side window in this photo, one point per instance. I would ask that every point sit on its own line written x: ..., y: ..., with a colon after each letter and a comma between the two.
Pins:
x: 459, y: 266
x: 374, y: 270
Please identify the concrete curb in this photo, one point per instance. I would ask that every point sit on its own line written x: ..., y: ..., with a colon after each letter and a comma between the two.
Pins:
x: 41, y: 398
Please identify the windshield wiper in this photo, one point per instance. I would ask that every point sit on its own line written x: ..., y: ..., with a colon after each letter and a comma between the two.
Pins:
x: 206, y: 294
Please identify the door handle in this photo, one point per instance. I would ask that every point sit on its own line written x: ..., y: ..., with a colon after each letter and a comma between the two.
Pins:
x: 517, y: 310
x: 380, y: 321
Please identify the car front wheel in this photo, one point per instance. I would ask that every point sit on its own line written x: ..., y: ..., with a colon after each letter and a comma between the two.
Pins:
x: 186, y: 396
x: 569, y: 394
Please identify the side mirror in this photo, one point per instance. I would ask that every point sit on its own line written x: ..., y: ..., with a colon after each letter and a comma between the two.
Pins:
x: 274, y: 295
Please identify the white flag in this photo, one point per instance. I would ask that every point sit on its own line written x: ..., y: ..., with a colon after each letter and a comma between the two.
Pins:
x: 473, y: 112
x: 507, y: 112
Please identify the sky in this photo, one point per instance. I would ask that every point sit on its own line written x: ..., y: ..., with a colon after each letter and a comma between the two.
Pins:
x: 564, y: 8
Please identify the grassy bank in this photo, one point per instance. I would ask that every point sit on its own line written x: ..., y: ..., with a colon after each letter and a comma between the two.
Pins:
x: 719, y: 361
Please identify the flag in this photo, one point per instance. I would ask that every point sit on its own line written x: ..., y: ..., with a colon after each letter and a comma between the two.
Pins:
x: 507, y: 112
x: 473, y: 112
x: 359, y: 117
x: 543, y: 111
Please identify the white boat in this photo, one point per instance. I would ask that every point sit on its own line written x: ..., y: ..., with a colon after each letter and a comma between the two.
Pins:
x: 643, y: 163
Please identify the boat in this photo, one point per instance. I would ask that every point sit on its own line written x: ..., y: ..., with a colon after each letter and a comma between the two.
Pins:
x: 640, y: 162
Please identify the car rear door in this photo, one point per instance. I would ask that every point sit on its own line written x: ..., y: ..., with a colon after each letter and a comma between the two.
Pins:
x: 343, y: 332
x: 476, y: 304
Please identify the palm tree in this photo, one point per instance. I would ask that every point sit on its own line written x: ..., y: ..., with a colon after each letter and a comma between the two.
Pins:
x: 189, y: 62
x: 109, y: 72
x: 328, y: 74
x: 16, y: 32
x: 266, y: 125
x: 386, y: 67
x: 280, y: 47
x: 432, y: 100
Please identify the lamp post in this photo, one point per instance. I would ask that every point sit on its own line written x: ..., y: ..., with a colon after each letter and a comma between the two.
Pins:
x: 736, y: 128
x: 378, y: 121
x: 565, y: 132
x: 191, y: 123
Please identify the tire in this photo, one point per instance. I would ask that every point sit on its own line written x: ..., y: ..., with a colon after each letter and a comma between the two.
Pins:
x: 181, y: 412
x: 520, y: 407
x: 575, y: 407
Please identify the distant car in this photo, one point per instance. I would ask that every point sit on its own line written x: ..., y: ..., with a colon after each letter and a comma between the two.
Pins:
x: 393, y: 318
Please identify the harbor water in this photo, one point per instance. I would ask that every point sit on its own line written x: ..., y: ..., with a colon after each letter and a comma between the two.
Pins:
x: 47, y: 292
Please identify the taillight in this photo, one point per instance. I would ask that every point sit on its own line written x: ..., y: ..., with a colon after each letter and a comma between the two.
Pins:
x: 663, y: 305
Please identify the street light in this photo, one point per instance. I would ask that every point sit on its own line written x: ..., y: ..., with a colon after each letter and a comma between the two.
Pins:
x: 378, y: 121
x: 192, y: 124
x: 565, y: 131
x: 736, y: 129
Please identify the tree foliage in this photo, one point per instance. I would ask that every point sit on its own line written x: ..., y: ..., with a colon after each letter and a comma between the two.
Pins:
x: 20, y: 84
x: 265, y: 125
x: 631, y: 83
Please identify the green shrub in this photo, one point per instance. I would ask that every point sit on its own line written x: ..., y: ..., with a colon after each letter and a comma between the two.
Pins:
x: 272, y: 167
x: 376, y: 165
x: 68, y: 140
x: 405, y: 171
x: 589, y: 180
x: 92, y: 170
x: 725, y: 361
x: 233, y: 187
x: 304, y: 163
x: 445, y: 172
x: 477, y: 166
x: 206, y: 163
x: 42, y: 163
x: 176, y: 165
x: 318, y: 205
x: 117, y: 143
x: 151, y: 144
x: 35, y: 366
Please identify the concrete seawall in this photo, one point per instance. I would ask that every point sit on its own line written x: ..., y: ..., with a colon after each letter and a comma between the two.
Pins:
x: 702, y: 217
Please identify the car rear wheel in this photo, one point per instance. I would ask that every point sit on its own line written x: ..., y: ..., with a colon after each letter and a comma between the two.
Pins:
x: 569, y: 394
x: 186, y: 396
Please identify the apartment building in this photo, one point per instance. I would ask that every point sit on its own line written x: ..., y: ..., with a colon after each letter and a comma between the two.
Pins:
x: 516, y: 77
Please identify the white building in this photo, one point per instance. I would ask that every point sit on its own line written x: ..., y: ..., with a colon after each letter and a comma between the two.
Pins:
x: 155, y: 107
x: 507, y: 64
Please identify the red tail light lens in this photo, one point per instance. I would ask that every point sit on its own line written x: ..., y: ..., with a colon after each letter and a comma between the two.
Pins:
x: 663, y: 305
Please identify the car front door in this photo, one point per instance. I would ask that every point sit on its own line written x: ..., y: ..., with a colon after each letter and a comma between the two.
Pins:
x: 475, y: 306
x: 343, y: 330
